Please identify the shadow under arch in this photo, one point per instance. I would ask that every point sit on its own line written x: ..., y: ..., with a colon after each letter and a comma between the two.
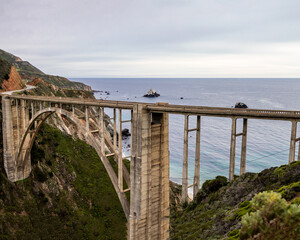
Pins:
x: 23, y: 158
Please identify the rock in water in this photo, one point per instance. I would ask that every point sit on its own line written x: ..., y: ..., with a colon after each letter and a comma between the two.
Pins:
x: 125, y: 133
x: 152, y: 93
x: 240, y: 105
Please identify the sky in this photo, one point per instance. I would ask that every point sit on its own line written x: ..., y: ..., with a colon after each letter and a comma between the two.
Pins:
x: 155, y: 38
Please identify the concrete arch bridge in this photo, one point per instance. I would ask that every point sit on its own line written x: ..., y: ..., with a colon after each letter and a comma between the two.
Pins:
x: 147, y: 211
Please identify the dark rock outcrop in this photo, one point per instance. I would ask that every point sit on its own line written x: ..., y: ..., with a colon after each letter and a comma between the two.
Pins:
x: 152, y: 93
x: 125, y: 133
x: 240, y: 105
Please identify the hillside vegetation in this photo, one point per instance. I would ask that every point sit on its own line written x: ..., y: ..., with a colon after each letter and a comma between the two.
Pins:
x: 219, y: 206
x: 4, y: 70
x: 67, y: 196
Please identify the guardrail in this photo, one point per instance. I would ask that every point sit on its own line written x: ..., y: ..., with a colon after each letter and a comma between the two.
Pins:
x: 174, y: 109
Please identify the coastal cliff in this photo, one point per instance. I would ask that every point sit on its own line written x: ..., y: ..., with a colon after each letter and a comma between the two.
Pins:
x: 9, y: 77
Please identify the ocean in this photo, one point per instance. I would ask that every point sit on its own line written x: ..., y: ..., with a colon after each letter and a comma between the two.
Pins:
x: 267, y: 142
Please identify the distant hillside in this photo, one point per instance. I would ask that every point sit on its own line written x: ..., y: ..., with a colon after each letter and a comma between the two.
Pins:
x: 29, y: 73
x: 20, y: 65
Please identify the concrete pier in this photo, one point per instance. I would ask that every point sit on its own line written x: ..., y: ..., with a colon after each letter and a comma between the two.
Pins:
x: 149, y: 213
x: 234, y: 135
x: 197, y: 159
x: 185, y: 161
x: 293, y: 142
x: 232, y: 150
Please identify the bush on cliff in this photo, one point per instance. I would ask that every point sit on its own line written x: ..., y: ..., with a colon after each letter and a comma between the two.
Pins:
x: 273, y: 219
x: 211, y: 186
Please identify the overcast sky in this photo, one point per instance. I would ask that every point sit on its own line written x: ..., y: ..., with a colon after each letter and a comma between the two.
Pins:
x: 155, y: 38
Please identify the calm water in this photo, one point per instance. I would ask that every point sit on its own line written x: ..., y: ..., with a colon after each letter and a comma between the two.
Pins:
x: 267, y: 143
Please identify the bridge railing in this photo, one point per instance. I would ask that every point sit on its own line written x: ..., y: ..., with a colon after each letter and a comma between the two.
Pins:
x: 174, y: 109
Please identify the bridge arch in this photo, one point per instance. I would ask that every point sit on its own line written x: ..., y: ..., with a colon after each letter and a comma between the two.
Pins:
x: 23, y: 158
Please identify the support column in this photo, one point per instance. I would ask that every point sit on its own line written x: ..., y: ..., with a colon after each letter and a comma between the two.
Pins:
x: 120, y: 154
x: 244, y: 147
x: 149, y: 175
x: 102, y: 128
x: 293, y: 142
x: 18, y: 122
x: 32, y: 109
x: 299, y: 152
x: 197, y: 159
x: 27, y: 117
x: 131, y: 137
x: 8, y: 140
x: 23, y: 116
x: 184, y: 196
x: 232, y: 150
x: 115, y: 129
x: 87, y: 118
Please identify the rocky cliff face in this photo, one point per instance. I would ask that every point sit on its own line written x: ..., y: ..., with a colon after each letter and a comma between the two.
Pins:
x: 14, y: 81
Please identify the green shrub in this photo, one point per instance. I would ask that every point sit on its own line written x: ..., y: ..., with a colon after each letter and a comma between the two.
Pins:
x: 234, y: 234
x: 273, y: 219
x: 213, y: 185
x: 290, y: 191
x: 244, y: 207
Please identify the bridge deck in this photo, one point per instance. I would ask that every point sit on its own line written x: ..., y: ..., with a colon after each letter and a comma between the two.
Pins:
x: 174, y: 109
